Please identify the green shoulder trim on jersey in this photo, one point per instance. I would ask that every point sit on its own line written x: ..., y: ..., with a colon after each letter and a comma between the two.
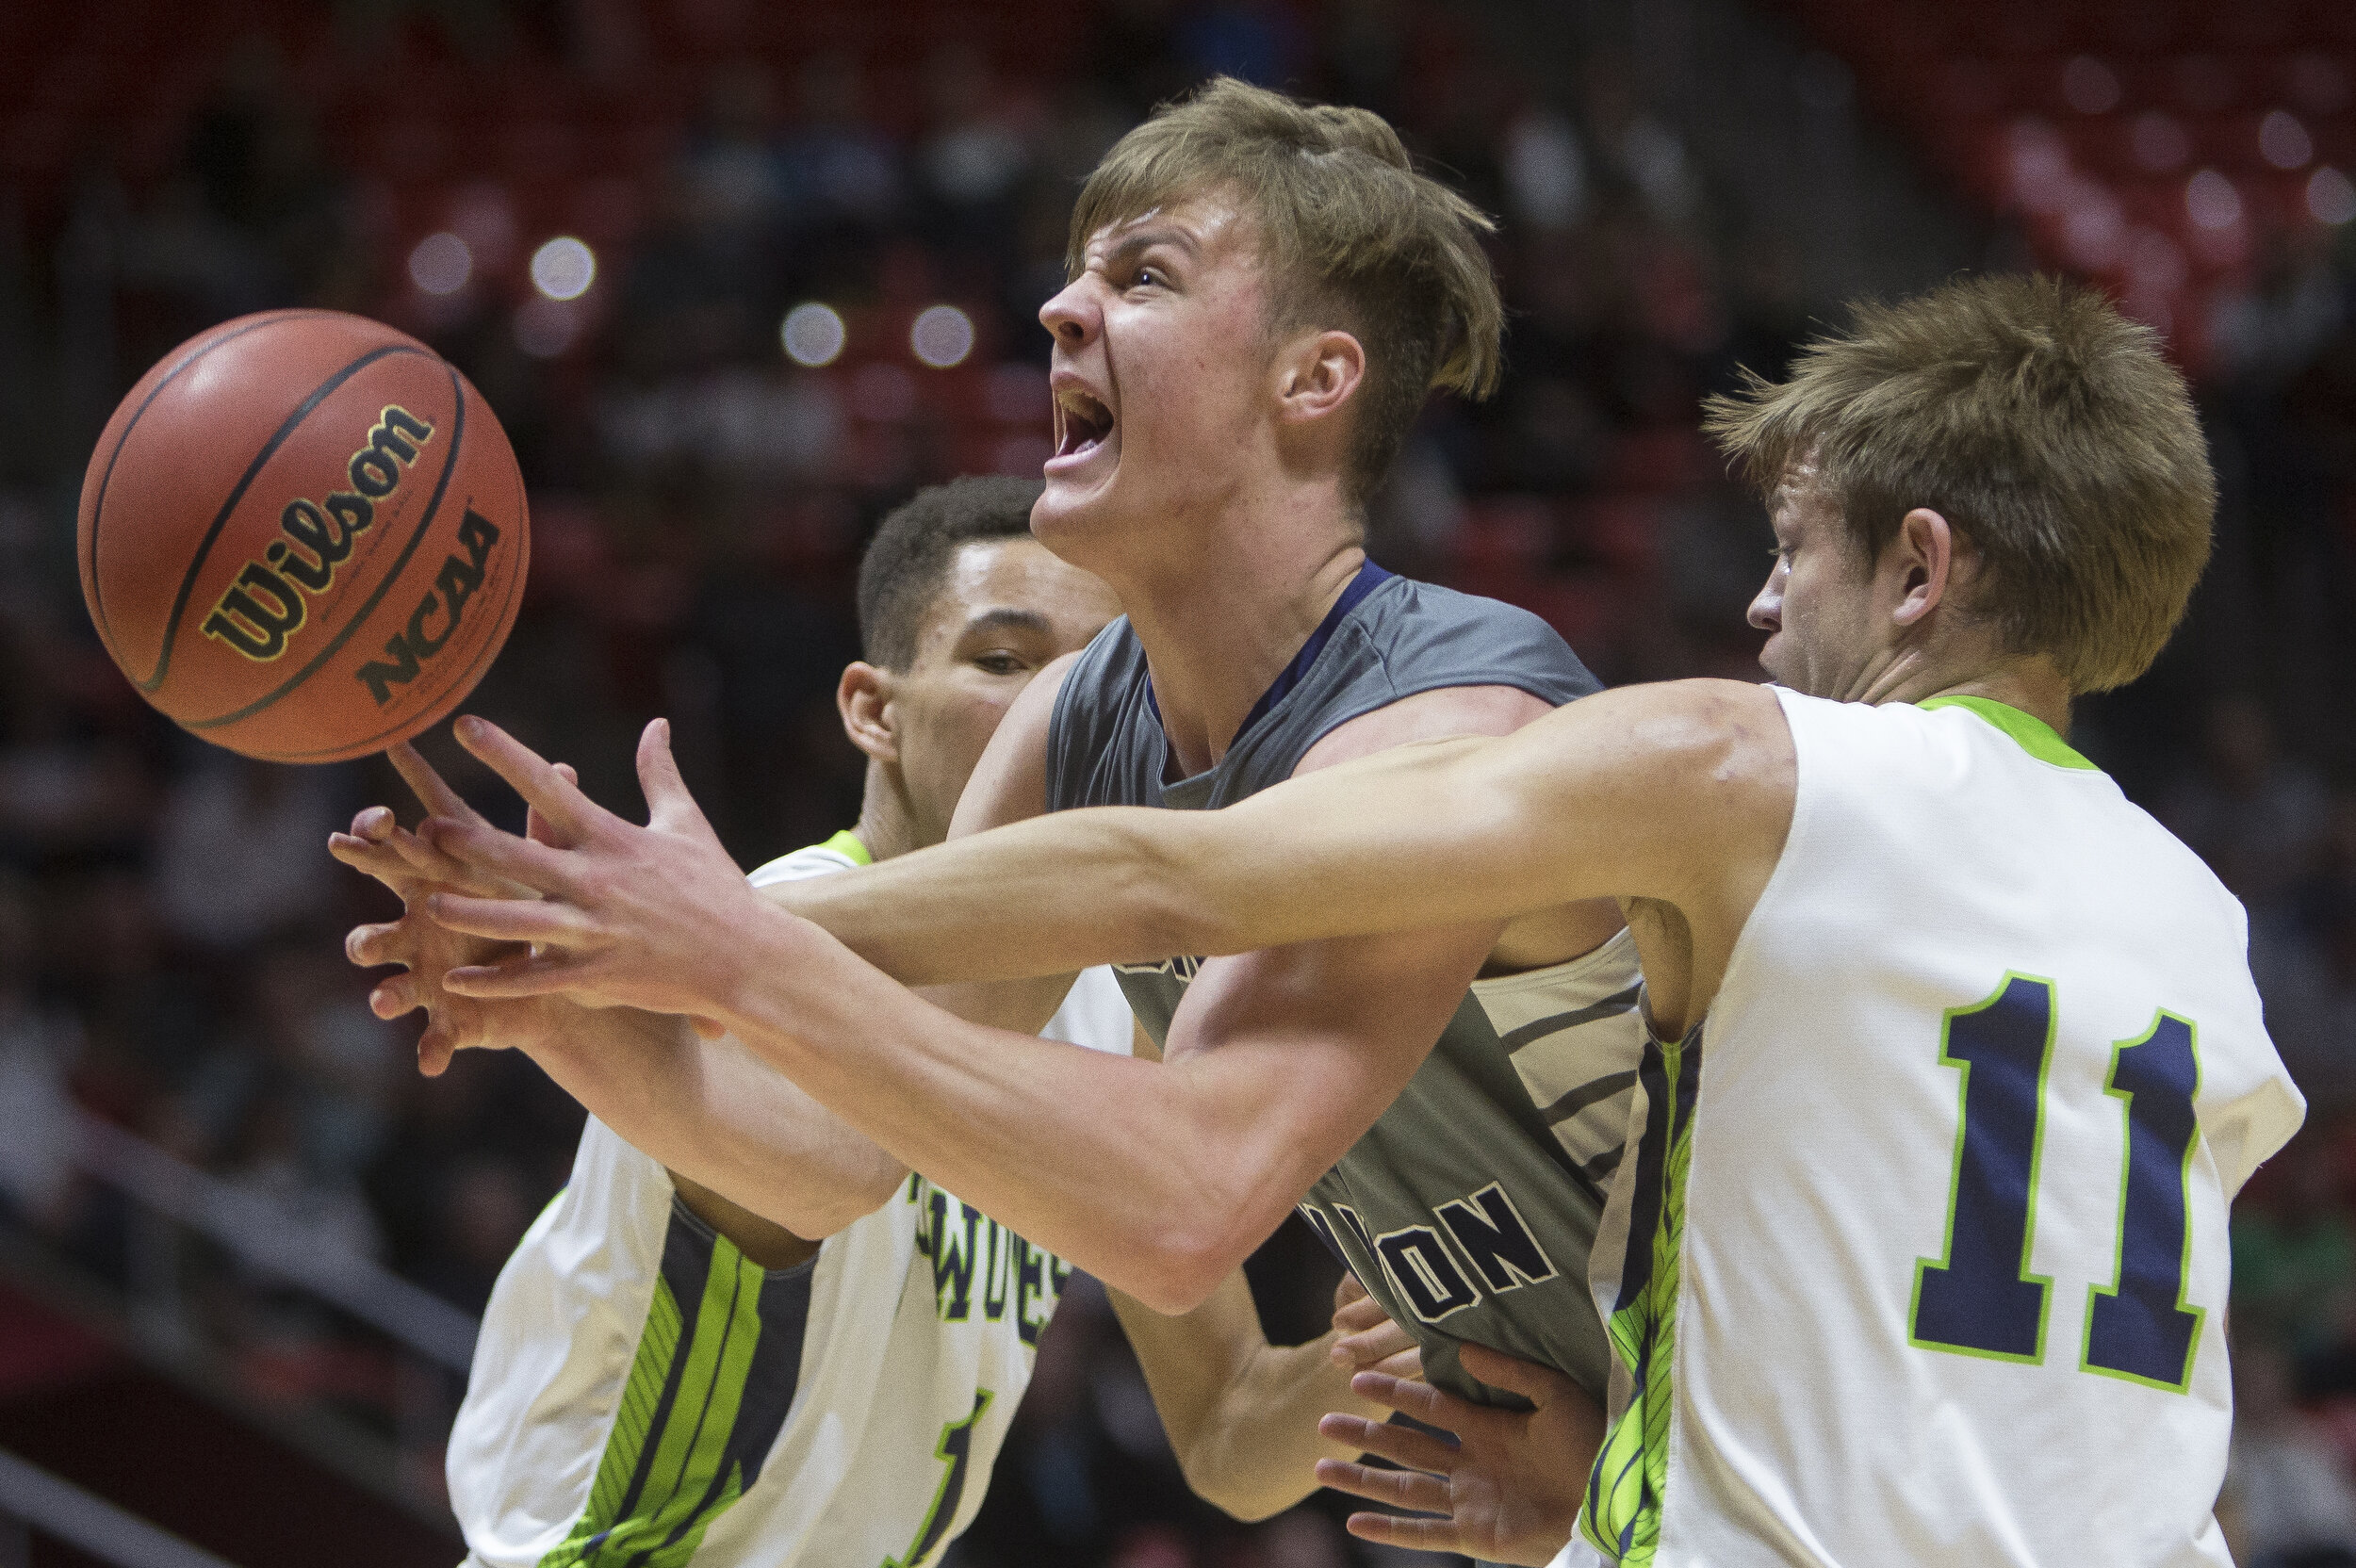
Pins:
x: 847, y: 843
x: 2036, y: 736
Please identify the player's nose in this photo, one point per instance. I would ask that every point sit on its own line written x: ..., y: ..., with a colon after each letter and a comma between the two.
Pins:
x: 1071, y: 316
x: 1766, y: 611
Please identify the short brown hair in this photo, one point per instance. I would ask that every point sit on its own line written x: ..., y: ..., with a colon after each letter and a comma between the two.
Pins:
x: 905, y: 565
x: 2045, y: 427
x: 1355, y: 238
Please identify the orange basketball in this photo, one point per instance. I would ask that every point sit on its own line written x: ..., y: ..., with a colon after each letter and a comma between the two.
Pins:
x: 302, y: 536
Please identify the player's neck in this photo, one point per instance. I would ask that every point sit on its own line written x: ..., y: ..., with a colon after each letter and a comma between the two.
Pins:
x: 1220, y: 626
x: 2038, y: 692
x: 887, y: 821
x: 2028, y: 682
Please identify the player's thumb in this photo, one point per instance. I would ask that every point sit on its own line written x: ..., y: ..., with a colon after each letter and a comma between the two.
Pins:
x: 1540, y: 1385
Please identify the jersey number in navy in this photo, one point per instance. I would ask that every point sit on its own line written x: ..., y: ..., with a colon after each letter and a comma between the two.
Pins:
x: 1981, y: 1300
x: 956, y: 1450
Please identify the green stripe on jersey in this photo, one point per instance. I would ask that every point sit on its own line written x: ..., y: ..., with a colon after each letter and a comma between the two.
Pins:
x: 2036, y: 736
x: 705, y: 1401
x: 1621, y: 1516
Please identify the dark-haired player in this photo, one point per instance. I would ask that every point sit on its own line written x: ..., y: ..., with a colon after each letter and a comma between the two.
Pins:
x: 665, y: 1374
x: 1263, y: 294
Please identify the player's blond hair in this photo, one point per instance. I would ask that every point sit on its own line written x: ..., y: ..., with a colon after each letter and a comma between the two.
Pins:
x: 1353, y: 235
x: 2045, y: 426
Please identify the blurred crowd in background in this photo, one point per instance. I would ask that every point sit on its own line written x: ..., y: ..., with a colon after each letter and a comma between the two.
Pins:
x: 816, y: 290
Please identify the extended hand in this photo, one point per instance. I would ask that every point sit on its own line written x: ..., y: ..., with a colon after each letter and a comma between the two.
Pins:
x: 413, y: 869
x: 1506, y: 1488
x: 617, y: 915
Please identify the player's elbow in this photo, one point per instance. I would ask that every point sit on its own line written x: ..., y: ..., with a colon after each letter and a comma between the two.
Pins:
x: 1175, y: 1268
x: 1170, y: 1285
x: 1215, y: 1474
x: 814, y: 1206
x: 816, y: 1218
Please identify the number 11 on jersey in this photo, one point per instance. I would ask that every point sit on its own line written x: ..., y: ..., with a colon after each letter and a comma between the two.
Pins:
x: 1980, y: 1298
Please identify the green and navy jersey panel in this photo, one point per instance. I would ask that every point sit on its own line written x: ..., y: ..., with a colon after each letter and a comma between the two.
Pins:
x: 708, y: 1394
x: 1637, y: 1271
x: 643, y: 1395
x: 1923, y: 1253
x: 1468, y: 1208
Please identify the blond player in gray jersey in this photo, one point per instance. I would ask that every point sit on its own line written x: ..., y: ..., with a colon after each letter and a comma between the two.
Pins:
x: 825, y: 1372
x: 1262, y: 294
x: 1954, y: 1067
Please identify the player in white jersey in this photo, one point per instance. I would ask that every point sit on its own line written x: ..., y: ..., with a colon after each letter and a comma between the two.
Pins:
x: 644, y: 1389
x: 665, y: 1377
x: 1957, y: 1065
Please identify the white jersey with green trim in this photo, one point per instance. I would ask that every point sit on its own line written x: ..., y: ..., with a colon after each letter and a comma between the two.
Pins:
x: 1920, y: 1252
x: 644, y: 1397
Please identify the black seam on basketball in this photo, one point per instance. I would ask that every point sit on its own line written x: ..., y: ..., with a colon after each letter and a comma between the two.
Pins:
x: 220, y: 519
x: 390, y: 733
x: 383, y: 585
x: 98, y: 507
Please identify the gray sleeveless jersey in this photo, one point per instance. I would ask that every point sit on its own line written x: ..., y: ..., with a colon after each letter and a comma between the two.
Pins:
x: 1469, y: 1206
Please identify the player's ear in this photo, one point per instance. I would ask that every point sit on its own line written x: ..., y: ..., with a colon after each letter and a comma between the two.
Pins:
x: 1316, y: 372
x: 1924, y: 557
x: 864, y: 697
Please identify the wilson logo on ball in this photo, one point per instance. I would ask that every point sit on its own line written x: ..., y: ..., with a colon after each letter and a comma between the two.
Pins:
x: 317, y: 540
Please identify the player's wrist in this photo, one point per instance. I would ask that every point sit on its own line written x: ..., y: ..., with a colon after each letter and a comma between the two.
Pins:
x: 735, y: 981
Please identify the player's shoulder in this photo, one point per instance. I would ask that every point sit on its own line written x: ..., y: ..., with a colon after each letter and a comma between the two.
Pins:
x: 2003, y: 777
x: 1088, y: 688
x: 1725, y: 728
x: 1418, y: 661
x: 835, y: 855
x: 1424, y: 634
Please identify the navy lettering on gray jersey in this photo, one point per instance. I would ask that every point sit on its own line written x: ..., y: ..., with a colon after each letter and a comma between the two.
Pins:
x: 1469, y: 1207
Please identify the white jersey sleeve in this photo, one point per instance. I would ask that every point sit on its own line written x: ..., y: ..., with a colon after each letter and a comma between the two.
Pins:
x: 644, y: 1394
x: 1919, y: 1252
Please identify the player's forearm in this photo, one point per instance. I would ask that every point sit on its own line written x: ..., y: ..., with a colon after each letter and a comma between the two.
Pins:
x: 712, y: 1112
x: 1259, y: 1455
x: 1373, y: 846
x: 1157, y: 1180
x: 1085, y: 888
x: 1623, y: 794
x: 1241, y: 1415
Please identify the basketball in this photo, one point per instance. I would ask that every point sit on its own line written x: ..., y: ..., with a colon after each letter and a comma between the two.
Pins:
x: 302, y: 536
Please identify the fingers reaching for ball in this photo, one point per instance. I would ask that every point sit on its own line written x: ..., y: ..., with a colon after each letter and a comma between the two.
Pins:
x: 420, y: 869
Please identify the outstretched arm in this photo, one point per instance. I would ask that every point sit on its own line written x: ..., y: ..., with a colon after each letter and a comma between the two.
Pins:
x: 1680, y: 793
x: 1241, y: 1413
x: 705, y: 1108
x: 1158, y: 1179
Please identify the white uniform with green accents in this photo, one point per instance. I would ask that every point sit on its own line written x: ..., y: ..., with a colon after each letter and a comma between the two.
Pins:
x: 643, y: 1396
x: 1919, y: 1254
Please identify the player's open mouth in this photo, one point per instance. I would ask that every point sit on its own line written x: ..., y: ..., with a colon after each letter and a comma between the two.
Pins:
x: 1082, y: 423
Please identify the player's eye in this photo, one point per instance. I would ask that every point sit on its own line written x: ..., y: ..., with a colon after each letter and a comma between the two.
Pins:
x: 1001, y: 664
x: 1151, y: 275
